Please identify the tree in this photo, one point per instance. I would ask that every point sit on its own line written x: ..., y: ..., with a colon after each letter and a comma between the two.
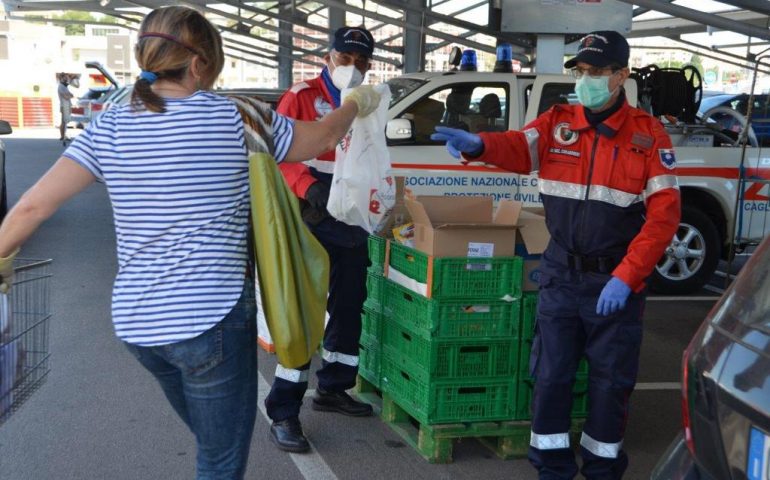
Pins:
x: 675, y: 64
x: 697, y: 62
x: 76, y: 28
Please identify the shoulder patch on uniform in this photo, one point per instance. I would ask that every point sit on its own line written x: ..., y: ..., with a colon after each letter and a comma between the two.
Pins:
x: 563, y: 135
x: 667, y: 158
x: 642, y: 140
x: 322, y: 107
x: 298, y: 87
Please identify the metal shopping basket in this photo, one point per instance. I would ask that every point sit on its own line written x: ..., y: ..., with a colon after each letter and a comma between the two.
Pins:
x: 24, y: 319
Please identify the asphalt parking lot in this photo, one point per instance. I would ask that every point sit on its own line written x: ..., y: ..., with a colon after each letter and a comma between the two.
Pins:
x: 101, y: 416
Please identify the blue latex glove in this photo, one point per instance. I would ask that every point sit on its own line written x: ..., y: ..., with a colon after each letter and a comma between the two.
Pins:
x: 458, y: 141
x: 613, y: 297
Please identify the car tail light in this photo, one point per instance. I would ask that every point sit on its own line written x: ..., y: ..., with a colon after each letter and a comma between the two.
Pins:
x: 686, y: 422
x: 96, y: 107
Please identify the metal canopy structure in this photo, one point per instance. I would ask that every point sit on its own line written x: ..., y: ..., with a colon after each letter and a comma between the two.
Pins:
x: 275, y: 33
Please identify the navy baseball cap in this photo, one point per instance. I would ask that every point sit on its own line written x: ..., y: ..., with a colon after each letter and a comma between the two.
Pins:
x: 354, y: 39
x: 600, y: 49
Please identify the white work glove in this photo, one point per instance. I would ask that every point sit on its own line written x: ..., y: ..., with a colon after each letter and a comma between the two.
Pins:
x: 6, y: 271
x: 367, y: 99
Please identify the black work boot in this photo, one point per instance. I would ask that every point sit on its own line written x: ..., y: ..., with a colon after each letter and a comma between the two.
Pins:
x: 287, y: 435
x: 340, y: 402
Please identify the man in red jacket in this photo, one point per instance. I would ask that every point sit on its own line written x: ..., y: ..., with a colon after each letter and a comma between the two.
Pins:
x: 608, y: 182
x: 346, y: 65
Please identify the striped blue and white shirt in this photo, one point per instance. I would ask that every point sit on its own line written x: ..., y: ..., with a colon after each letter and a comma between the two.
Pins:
x: 179, y: 187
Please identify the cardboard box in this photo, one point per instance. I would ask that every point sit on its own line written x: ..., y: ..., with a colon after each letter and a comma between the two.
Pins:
x: 531, y: 241
x: 448, y: 226
x: 399, y: 214
x: 469, y: 226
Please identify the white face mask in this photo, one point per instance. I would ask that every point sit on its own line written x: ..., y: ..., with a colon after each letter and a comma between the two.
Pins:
x: 346, y: 76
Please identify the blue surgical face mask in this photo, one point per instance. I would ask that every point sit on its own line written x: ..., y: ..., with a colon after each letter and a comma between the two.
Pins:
x: 592, y: 92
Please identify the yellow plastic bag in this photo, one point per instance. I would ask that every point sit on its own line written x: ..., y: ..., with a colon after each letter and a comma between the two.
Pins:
x: 292, y: 266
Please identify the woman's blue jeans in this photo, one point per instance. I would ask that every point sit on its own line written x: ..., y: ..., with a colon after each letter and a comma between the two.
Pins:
x: 211, y: 382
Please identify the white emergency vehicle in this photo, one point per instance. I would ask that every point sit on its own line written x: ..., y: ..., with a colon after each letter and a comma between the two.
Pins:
x: 709, y: 158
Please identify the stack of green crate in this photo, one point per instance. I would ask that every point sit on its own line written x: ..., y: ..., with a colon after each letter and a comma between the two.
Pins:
x: 371, y: 319
x: 452, y: 357
x: 524, y: 394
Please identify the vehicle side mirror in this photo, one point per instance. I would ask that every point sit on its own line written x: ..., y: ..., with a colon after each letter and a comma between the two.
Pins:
x: 399, y: 130
x: 5, y: 128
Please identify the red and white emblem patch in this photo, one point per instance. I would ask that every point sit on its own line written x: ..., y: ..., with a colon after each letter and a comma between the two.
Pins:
x: 322, y: 107
x: 563, y: 135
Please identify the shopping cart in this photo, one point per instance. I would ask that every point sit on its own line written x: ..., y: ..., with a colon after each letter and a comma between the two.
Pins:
x: 24, y: 318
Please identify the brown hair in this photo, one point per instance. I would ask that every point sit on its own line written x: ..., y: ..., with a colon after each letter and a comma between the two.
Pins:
x: 169, y: 38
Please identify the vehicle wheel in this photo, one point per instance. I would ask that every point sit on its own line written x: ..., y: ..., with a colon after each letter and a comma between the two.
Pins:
x: 691, y: 258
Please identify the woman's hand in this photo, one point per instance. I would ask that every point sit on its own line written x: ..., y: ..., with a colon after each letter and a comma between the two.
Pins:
x: 6, y: 271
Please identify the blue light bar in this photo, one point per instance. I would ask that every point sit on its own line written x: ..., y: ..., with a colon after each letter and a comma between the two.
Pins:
x: 504, y: 52
x: 504, y: 57
x: 468, y: 61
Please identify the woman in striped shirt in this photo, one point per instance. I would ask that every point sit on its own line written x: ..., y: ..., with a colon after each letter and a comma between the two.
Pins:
x: 175, y: 166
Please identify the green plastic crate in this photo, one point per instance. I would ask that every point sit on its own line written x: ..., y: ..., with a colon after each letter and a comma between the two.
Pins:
x: 375, y: 290
x: 371, y: 323
x: 579, y: 399
x: 449, y: 401
x: 444, y: 359
x: 528, y: 314
x: 452, y: 318
x: 370, y: 359
x: 377, y: 247
x: 461, y: 277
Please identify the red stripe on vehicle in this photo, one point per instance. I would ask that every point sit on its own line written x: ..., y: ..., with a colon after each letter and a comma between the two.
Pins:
x: 726, y: 172
x: 723, y: 172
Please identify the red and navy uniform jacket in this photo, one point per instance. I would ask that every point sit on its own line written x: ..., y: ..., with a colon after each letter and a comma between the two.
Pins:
x: 309, y: 100
x: 608, y: 191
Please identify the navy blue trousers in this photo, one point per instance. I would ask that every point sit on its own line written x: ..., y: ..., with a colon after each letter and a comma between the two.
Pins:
x: 347, y: 293
x: 568, y: 328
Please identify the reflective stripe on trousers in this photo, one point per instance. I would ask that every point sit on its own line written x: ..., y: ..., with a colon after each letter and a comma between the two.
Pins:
x: 600, y: 449
x: 290, y: 374
x: 550, y: 441
x: 345, y: 359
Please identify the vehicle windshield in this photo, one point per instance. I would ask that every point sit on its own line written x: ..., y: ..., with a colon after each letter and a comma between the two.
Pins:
x: 93, y: 94
x: 400, y: 88
x: 109, y: 96
x: 749, y: 300
x: 710, y: 102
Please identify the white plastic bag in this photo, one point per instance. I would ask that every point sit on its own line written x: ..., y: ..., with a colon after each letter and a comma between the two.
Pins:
x: 363, y: 191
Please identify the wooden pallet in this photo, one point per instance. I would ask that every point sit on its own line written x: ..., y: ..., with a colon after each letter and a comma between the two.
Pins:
x: 367, y: 392
x: 509, y: 439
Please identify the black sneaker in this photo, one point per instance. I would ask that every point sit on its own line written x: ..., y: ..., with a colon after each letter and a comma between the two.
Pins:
x: 340, y: 402
x: 287, y: 435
